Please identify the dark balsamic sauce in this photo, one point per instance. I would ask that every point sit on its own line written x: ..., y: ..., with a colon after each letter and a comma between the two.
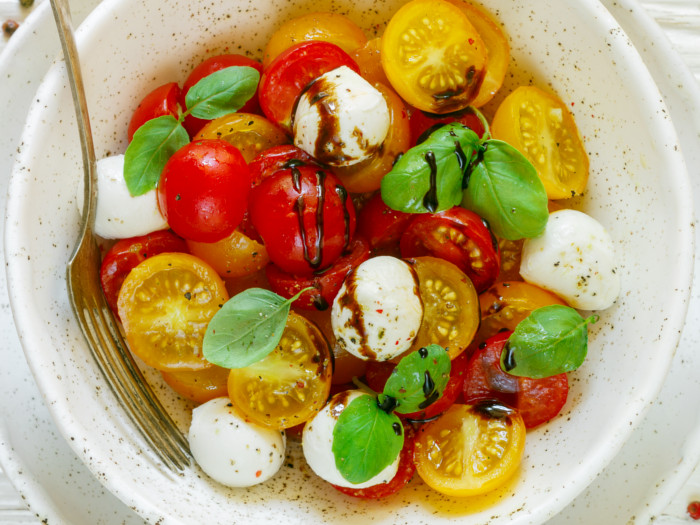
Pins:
x: 430, y: 200
x: 509, y: 359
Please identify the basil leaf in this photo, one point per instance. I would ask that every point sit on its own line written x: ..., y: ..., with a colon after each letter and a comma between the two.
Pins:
x: 551, y: 340
x: 365, y: 440
x: 247, y: 328
x: 428, y: 177
x: 149, y: 150
x: 419, y: 379
x: 222, y: 92
x: 503, y: 187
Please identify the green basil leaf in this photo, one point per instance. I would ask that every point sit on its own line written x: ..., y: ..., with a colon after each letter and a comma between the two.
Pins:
x: 224, y: 91
x: 503, y: 187
x: 428, y: 177
x: 247, y: 328
x: 149, y: 150
x: 365, y: 440
x: 551, y: 340
x: 419, y: 379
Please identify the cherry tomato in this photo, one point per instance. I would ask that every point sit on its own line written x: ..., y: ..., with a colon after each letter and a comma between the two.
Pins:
x: 203, y: 190
x: 251, y: 134
x: 381, y: 225
x: 459, y: 236
x: 276, y: 159
x: 403, y: 475
x: 233, y: 256
x: 496, y: 45
x: 165, y: 305
x: 470, y: 449
x: 287, y: 75
x: 433, y: 56
x: 206, y: 68
x: 423, y: 124
x: 199, y: 386
x: 329, y: 27
x: 511, y: 254
x: 305, y: 216
x: 291, y: 384
x: 123, y: 257
x: 326, y: 284
x: 537, y: 400
x: 369, y: 59
x: 367, y: 175
x: 163, y: 100
x: 541, y: 127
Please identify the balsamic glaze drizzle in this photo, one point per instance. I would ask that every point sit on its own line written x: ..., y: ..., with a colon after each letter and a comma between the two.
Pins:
x: 430, y: 201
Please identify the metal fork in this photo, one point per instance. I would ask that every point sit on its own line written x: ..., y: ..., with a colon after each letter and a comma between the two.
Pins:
x: 87, y: 299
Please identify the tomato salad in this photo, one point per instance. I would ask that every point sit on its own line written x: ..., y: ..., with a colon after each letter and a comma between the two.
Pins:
x: 335, y: 245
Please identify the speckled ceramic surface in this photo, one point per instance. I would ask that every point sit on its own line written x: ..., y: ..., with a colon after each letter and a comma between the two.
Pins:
x: 576, y: 49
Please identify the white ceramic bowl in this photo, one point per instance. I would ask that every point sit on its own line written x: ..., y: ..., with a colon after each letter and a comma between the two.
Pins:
x: 638, y: 189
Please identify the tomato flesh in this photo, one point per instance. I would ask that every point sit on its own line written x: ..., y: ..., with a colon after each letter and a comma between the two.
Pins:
x: 199, y: 386
x: 381, y: 225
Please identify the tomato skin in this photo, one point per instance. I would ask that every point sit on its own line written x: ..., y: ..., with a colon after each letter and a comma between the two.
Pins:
x: 423, y: 123
x: 276, y: 159
x: 234, y: 256
x: 163, y: 100
x: 305, y: 217
x: 287, y: 75
x: 459, y: 236
x: 537, y: 400
x: 403, y: 475
x: 211, y: 65
x: 203, y: 190
x: 381, y: 225
x: 126, y: 254
x: 326, y: 284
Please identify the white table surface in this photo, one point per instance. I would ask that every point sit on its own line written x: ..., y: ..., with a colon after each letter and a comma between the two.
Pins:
x: 680, y: 21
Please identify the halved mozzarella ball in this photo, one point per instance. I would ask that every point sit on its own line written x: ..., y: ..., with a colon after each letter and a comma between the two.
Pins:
x: 378, y: 310
x: 119, y: 215
x: 231, y: 450
x: 574, y: 258
x: 341, y: 119
x: 317, y: 443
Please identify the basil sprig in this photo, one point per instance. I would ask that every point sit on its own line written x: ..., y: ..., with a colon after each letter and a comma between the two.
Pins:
x: 369, y: 435
x: 551, y: 340
x: 247, y: 328
x: 223, y: 92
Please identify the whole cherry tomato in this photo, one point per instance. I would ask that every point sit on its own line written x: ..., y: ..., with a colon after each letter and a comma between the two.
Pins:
x: 459, y: 236
x: 305, y: 218
x: 206, y: 68
x: 381, y: 225
x: 422, y: 123
x: 163, y: 100
x: 127, y: 253
x: 276, y: 159
x: 203, y: 190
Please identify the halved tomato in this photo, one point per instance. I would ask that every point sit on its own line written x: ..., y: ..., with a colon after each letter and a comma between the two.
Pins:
x: 423, y: 124
x: 470, y: 449
x: 291, y: 384
x: 165, y: 305
x: 199, y: 386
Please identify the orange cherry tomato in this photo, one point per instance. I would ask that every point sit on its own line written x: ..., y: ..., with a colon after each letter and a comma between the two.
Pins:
x: 234, y: 256
x: 199, y: 386
x: 433, y: 56
x: 369, y: 58
x: 165, y: 305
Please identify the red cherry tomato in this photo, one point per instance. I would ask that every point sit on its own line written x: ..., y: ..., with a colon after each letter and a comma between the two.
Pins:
x: 211, y: 65
x: 163, y: 100
x: 203, y: 190
x: 287, y: 75
x: 305, y: 218
x: 276, y: 159
x: 537, y: 400
x: 381, y: 225
x: 459, y: 236
x: 403, y: 475
x: 326, y: 284
x: 422, y: 123
x: 128, y: 253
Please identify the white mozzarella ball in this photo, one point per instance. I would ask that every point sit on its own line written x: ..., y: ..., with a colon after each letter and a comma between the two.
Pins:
x: 119, y: 215
x: 231, y: 450
x: 574, y: 258
x: 378, y: 310
x: 341, y: 119
x: 317, y: 443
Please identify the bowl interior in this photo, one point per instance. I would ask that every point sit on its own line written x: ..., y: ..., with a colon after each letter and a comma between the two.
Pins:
x: 638, y: 189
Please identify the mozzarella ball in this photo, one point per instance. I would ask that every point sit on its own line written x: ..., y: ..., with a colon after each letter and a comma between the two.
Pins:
x: 317, y: 443
x: 231, y: 450
x: 574, y: 258
x: 378, y: 310
x: 118, y: 215
x: 341, y: 119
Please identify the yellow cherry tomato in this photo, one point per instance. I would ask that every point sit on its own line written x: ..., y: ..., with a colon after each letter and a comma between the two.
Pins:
x: 234, y: 256
x: 470, y: 449
x: 541, y: 127
x: 433, y: 56
x: 369, y: 59
x: 165, y: 305
x: 199, y: 386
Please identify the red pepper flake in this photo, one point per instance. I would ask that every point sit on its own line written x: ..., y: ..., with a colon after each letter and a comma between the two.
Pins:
x: 397, y: 343
x: 694, y: 510
x: 258, y: 473
x: 380, y: 311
